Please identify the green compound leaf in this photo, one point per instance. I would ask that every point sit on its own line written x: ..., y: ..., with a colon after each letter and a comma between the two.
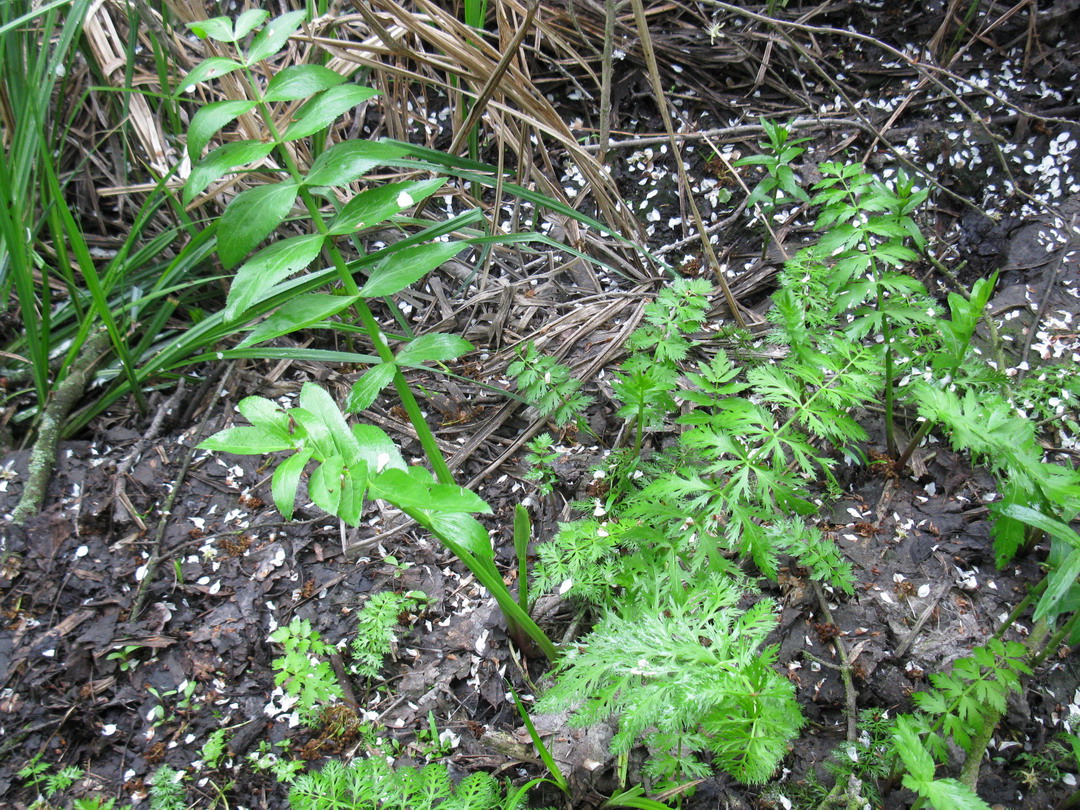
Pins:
x: 246, y: 441
x: 250, y: 217
x: 286, y: 481
x: 402, y: 488
x: 248, y: 21
x: 345, y: 162
x: 454, y: 498
x: 377, y: 450
x: 220, y: 162
x: 369, y: 386
x: 273, y: 36
x: 917, y: 760
x: 296, y: 314
x: 374, y: 205
x: 213, y: 68
x: 301, y: 81
x: 265, y: 413
x: 432, y: 348
x: 266, y: 268
x: 408, y: 265
x: 318, y: 402
x: 318, y: 113
x: 219, y: 28
x: 209, y: 120
x: 325, y: 484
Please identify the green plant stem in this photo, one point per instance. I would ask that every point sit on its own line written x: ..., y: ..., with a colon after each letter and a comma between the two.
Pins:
x: 969, y: 773
x: 1017, y: 611
x: 916, y: 440
x: 371, y: 326
x: 1055, y: 640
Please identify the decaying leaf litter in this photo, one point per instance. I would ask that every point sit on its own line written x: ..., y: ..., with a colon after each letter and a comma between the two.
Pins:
x: 216, y: 574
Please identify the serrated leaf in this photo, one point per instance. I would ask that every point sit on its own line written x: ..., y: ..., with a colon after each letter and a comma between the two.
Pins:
x: 454, y: 498
x: 916, y: 758
x: 266, y: 268
x: 400, y: 488
x: 368, y: 387
x: 265, y: 413
x: 325, y: 484
x: 408, y: 265
x: 219, y: 28
x: 296, y: 314
x: 377, y: 449
x: 250, y: 217
x: 318, y: 113
x: 220, y: 162
x: 301, y: 81
x: 286, y: 480
x: 433, y: 347
x: 273, y: 36
x: 246, y: 441
x: 372, y: 206
x: 949, y: 794
x: 249, y: 20
x: 345, y: 162
x: 213, y: 68
x: 316, y: 400
x: 209, y: 120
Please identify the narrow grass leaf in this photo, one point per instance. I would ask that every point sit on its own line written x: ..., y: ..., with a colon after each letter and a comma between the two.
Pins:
x: 301, y: 81
x: 250, y: 217
x: 269, y: 41
x: 267, y: 267
x: 299, y: 313
x: 220, y: 161
x: 407, y: 266
x: 325, y: 107
x: 209, y: 120
x: 345, y: 162
x: 432, y: 348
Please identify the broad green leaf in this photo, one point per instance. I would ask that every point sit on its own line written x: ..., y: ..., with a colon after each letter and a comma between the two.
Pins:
x: 408, y: 265
x: 296, y: 314
x: 211, y: 118
x: 916, y: 758
x: 400, y: 489
x: 301, y: 81
x: 317, y: 434
x: 219, y: 28
x: 343, y: 163
x: 266, y: 268
x: 250, y: 217
x: 318, y: 401
x: 1058, y: 583
x: 213, y: 68
x: 269, y: 41
x: 318, y: 113
x: 353, y: 486
x: 1033, y: 517
x: 465, y: 531
x: 265, y: 413
x: 374, y: 205
x: 434, y: 347
x: 454, y: 498
x: 325, y: 484
x: 377, y: 449
x: 246, y: 441
x: 368, y: 387
x: 220, y: 161
x: 286, y: 480
x: 249, y: 20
